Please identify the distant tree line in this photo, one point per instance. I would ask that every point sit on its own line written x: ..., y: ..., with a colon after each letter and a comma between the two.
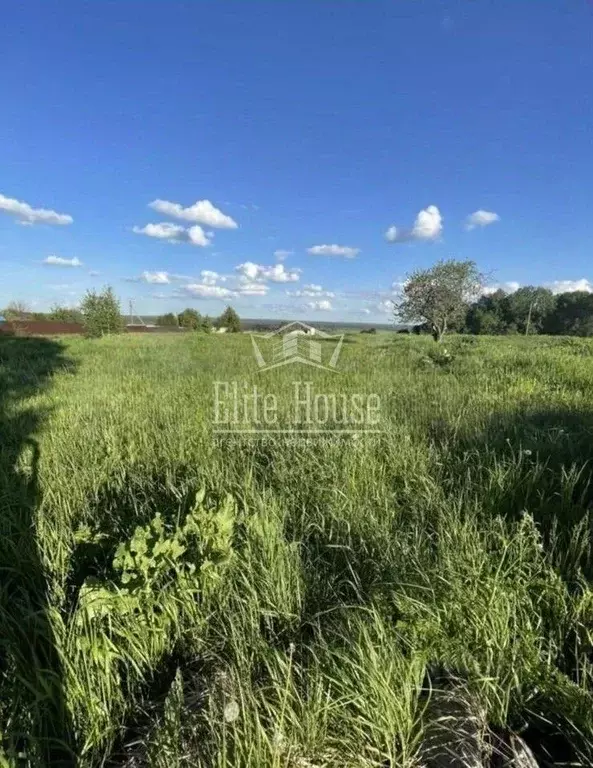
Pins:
x: 100, y: 314
x: 531, y: 310
x: 443, y: 298
x: 192, y: 320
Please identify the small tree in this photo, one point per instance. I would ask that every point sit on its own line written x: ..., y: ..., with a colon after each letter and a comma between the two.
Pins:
x: 16, y: 310
x: 190, y: 318
x: 101, y: 313
x: 206, y: 324
x: 230, y: 320
x: 440, y: 295
x: 168, y: 319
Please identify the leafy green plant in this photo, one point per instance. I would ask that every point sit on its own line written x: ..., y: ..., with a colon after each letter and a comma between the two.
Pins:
x: 156, y: 556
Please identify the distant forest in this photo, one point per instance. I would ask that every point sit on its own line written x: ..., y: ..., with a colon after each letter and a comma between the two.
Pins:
x: 531, y: 310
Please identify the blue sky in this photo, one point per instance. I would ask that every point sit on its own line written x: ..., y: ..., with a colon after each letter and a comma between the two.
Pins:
x: 372, y: 128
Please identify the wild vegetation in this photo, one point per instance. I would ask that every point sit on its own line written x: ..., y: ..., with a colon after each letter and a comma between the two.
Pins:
x: 171, y: 597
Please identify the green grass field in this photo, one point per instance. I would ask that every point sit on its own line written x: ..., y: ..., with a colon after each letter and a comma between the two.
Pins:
x: 170, y: 597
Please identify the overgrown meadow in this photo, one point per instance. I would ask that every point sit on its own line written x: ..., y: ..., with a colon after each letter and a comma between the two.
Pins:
x: 171, y: 597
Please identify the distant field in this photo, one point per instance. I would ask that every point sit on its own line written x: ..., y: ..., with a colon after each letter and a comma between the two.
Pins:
x: 181, y: 598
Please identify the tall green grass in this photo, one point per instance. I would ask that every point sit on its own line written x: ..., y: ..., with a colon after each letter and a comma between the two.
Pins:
x: 299, y: 623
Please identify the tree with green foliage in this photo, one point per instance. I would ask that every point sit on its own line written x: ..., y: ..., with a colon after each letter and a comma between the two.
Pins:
x: 206, y: 324
x: 101, y: 313
x: 439, y: 296
x: 529, y: 306
x: 572, y: 315
x: 190, y: 318
x: 488, y: 315
x: 66, y: 314
x: 169, y: 319
x: 230, y: 320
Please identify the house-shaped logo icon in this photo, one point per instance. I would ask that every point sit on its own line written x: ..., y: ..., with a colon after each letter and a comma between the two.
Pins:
x: 296, y: 343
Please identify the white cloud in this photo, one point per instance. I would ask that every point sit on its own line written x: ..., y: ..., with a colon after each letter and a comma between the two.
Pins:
x: 320, y: 306
x: 162, y: 231
x: 201, y: 212
x: 58, y: 261
x: 174, y: 233
x: 386, y: 306
x: 556, y: 286
x: 510, y: 287
x: 25, y: 214
x: 481, y: 218
x: 570, y: 286
x: 197, y: 236
x: 334, y: 250
x: 155, y: 277
x: 94, y: 273
x: 427, y: 226
x: 282, y: 255
x: 398, y: 286
x: 211, y: 278
x: 365, y: 311
x: 205, y: 291
x: 312, y: 290
x: 276, y: 273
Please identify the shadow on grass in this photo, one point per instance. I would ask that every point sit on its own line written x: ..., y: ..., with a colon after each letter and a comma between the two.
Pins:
x: 35, y: 716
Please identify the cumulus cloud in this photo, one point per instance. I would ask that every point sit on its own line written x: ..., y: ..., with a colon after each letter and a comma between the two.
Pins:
x: 201, y: 212
x: 427, y: 226
x: 312, y: 290
x: 174, y: 233
x: 276, y: 273
x: 510, y: 287
x: 94, y: 273
x: 320, y: 306
x: 365, y: 311
x: 282, y: 255
x: 25, y: 214
x: 206, y: 291
x: 211, y: 278
x: 197, y: 236
x: 155, y: 277
x: 58, y: 261
x: 334, y: 250
x: 163, y: 231
x: 571, y: 286
x: 481, y: 218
